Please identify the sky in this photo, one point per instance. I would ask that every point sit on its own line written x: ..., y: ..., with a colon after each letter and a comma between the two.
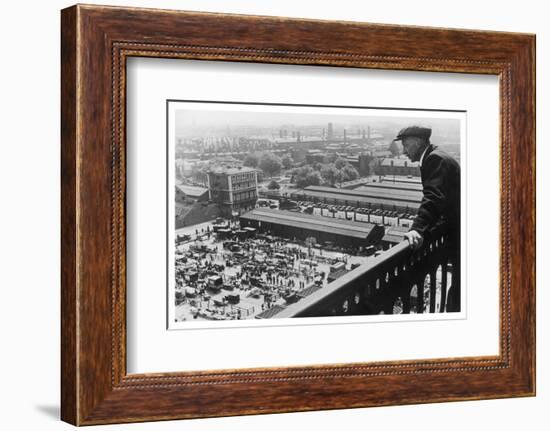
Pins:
x: 205, y: 118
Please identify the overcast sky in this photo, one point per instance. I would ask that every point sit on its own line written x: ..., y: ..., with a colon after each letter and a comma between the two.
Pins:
x: 190, y: 122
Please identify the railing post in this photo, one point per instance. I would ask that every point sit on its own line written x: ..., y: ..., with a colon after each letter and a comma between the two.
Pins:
x: 432, y: 290
x: 352, y: 307
x: 443, y: 286
x: 367, y: 297
x: 386, y: 294
x: 401, y: 287
x: 420, y: 294
x: 388, y: 301
x: 406, y: 299
x: 455, y: 284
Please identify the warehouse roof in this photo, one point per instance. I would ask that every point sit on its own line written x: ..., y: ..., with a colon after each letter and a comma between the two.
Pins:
x: 390, y: 185
x: 414, y: 196
x: 352, y: 200
x: 192, y: 191
x: 311, y: 222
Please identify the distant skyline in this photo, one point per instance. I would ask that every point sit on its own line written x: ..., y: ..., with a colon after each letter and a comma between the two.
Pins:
x: 193, y: 122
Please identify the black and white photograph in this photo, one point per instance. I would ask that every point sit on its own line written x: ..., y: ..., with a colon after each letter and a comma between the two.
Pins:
x: 286, y: 211
x: 280, y: 214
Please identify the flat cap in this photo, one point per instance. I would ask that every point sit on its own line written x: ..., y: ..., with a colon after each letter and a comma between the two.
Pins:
x: 416, y: 131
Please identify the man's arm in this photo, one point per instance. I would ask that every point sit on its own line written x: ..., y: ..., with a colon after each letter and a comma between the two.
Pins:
x: 434, y: 197
x: 415, y: 239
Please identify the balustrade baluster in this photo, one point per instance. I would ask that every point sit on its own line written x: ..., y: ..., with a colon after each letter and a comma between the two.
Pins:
x: 456, y: 281
x: 443, y: 301
x: 420, y: 295
x: 432, y: 290
x: 385, y: 296
x: 406, y: 300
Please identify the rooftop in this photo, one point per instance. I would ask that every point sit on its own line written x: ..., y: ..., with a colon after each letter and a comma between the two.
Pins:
x: 231, y: 170
x: 311, y: 222
x: 352, y: 200
x: 401, y: 162
x: 191, y: 190
x: 389, y: 185
x: 394, y: 194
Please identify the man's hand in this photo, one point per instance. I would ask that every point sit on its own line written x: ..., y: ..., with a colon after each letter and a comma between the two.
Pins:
x: 415, y: 239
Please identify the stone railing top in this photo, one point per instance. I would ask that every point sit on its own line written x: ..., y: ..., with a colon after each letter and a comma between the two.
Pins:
x: 399, y: 251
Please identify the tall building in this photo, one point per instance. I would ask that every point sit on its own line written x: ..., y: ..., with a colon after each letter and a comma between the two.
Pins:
x: 330, y: 133
x: 234, y: 189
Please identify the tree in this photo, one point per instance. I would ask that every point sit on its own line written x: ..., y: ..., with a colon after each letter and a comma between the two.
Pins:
x: 317, y: 166
x: 349, y: 173
x: 273, y: 185
x: 299, y: 176
x: 394, y: 149
x: 340, y: 162
x: 287, y: 161
x: 314, y: 179
x: 331, y: 175
x: 270, y: 164
x: 306, y: 176
x: 251, y: 160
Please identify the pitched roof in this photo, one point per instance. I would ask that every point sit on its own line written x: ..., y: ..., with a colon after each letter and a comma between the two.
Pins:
x: 311, y: 222
x: 413, y: 196
x: 192, y: 190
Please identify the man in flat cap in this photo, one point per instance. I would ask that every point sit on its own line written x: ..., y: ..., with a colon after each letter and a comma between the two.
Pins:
x: 440, y: 174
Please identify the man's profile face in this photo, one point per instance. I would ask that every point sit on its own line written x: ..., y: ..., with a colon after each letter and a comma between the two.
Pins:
x: 413, y: 147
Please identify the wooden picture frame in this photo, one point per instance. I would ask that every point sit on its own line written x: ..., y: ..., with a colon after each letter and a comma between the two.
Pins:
x: 95, y: 43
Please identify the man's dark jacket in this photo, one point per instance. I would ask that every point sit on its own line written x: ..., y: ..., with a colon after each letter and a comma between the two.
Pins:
x: 441, y: 192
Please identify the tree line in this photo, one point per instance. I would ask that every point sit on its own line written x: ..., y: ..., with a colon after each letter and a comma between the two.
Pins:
x: 271, y: 164
x: 329, y: 174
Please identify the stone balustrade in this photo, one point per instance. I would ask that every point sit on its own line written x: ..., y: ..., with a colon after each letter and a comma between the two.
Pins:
x: 399, y: 280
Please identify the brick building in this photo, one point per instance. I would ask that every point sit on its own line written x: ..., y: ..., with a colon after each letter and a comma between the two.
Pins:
x: 398, y: 166
x: 234, y: 189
